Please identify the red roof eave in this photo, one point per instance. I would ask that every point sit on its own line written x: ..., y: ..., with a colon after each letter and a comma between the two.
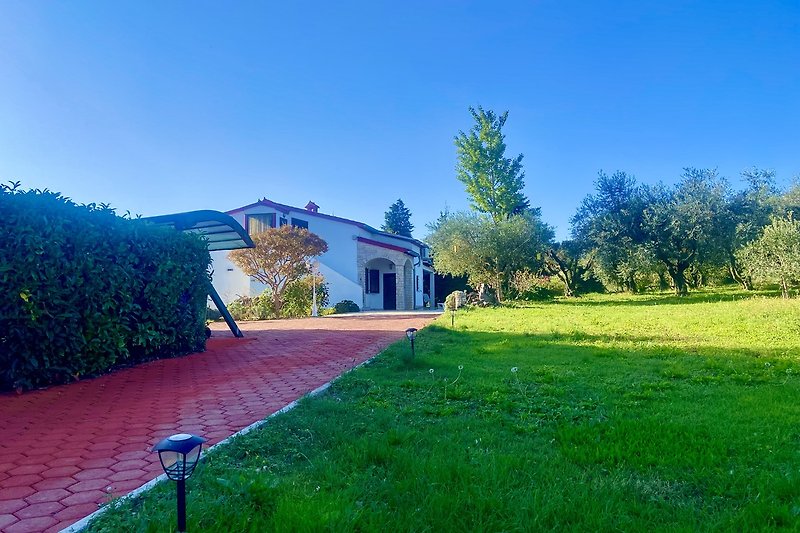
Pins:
x: 383, y: 245
x: 287, y: 208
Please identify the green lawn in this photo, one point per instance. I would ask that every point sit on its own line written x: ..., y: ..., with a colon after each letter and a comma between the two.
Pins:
x: 625, y: 413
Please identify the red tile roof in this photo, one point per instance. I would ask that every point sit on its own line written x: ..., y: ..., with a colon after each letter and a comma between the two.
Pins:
x: 287, y: 208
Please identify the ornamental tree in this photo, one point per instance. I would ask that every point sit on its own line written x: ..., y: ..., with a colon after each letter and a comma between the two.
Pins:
x: 281, y: 256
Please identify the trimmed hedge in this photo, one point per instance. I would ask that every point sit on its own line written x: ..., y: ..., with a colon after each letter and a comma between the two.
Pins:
x: 83, y: 290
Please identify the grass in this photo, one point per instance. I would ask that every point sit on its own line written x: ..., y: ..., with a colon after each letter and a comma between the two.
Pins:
x: 625, y: 413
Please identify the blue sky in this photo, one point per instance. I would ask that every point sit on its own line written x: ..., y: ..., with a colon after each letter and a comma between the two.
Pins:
x: 159, y: 107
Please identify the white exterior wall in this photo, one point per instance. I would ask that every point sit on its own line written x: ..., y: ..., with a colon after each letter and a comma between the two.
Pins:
x: 229, y: 281
x: 339, y: 265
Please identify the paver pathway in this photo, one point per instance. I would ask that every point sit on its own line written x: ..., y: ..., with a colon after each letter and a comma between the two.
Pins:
x: 66, y: 449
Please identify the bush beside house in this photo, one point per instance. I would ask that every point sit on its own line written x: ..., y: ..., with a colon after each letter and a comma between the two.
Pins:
x: 297, y: 301
x: 83, y: 290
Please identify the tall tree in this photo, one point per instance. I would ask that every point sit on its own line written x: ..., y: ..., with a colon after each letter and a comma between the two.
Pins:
x: 493, y: 181
x: 397, y: 219
x: 489, y: 251
x: 281, y: 256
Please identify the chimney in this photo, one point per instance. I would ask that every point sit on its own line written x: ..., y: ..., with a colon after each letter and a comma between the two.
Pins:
x: 311, y: 206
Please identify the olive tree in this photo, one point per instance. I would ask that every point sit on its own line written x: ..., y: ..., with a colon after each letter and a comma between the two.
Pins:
x: 775, y: 255
x: 488, y: 252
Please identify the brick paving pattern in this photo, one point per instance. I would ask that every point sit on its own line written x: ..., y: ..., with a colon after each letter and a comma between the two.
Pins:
x: 67, y: 449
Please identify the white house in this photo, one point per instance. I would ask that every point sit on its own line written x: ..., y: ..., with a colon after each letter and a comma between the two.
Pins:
x: 374, y: 269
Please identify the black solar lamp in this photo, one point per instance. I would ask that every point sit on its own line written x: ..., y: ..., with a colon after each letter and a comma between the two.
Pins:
x: 179, y: 455
x: 411, y: 333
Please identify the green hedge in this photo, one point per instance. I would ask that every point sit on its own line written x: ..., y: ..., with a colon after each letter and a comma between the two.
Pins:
x: 83, y: 290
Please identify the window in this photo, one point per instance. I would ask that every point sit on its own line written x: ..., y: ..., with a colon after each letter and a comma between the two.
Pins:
x: 297, y: 223
x: 283, y: 222
x: 372, y: 281
x: 257, y: 223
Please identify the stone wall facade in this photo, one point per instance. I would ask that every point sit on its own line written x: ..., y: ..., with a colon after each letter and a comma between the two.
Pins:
x: 403, y: 268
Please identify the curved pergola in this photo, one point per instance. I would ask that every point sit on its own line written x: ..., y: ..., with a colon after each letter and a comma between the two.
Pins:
x: 222, y: 232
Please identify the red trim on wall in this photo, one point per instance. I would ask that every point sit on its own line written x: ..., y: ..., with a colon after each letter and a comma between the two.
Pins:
x: 382, y: 244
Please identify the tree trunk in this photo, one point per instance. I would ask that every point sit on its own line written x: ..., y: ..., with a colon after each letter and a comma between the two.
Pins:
x: 677, y: 273
x: 663, y: 284
x: 564, y: 274
x: 277, y: 304
x: 784, y: 288
x: 738, y: 277
x: 630, y: 283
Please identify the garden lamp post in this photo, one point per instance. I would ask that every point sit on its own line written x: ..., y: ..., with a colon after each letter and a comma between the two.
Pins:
x: 411, y: 333
x: 179, y: 455
x: 312, y: 266
x: 452, y: 317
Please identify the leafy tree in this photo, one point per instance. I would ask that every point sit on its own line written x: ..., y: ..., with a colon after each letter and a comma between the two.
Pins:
x: 489, y: 251
x: 684, y: 225
x: 608, y: 224
x: 569, y: 263
x: 789, y: 200
x: 748, y: 212
x: 441, y: 219
x: 775, y: 256
x: 493, y: 181
x: 280, y: 258
x: 397, y: 219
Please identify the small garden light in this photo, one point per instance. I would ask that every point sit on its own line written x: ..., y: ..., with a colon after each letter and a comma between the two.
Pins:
x: 411, y: 333
x: 179, y: 455
x: 452, y: 317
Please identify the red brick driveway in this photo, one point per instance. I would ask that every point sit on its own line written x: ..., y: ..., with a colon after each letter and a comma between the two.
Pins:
x: 66, y: 449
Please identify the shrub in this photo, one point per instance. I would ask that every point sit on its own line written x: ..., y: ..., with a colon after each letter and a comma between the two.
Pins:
x: 83, y: 290
x: 252, y: 308
x: 298, y: 297
x: 346, y: 306
x: 213, y: 314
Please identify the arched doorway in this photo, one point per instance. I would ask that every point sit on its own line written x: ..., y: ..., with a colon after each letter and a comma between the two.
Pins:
x: 380, y: 284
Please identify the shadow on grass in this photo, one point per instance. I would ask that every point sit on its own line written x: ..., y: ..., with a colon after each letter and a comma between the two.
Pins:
x: 654, y: 299
x: 577, y: 346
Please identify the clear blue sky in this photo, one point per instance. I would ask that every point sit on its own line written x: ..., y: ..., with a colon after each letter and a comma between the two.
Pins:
x: 159, y: 107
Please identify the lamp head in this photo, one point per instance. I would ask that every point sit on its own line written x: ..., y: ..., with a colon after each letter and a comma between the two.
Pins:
x: 179, y: 455
x: 411, y: 333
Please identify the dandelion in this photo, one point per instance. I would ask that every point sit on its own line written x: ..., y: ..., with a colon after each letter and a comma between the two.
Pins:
x: 461, y: 367
x: 431, y: 371
x: 514, y: 369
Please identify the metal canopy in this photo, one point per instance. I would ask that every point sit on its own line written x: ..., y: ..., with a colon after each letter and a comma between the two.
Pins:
x: 220, y: 230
